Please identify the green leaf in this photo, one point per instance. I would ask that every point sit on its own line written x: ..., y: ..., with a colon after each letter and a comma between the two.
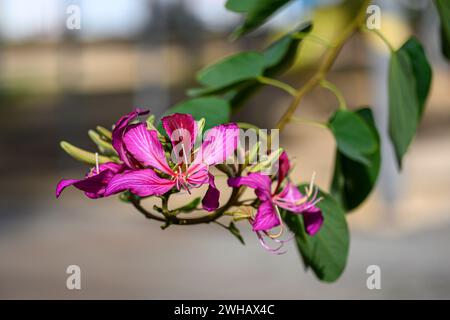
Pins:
x: 354, y: 138
x: 191, y: 206
x: 445, y: 44
x: 326, y: 252
x: 229, y: 72
x: 353, y: 181
x: 281, y: 54
x: 215, y: 110
x: 278, y: 57
x: 421, y: 69
x: 409, y: 83
x: 256, y: 12
x: 235, y: 232
x: 443, y: 7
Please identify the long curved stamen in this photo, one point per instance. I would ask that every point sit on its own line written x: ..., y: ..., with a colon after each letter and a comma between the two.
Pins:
x: 266, y: 246
x: 311, y: 185
x: 280, y: 232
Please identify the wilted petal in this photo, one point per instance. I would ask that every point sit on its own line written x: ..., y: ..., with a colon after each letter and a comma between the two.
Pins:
x: 145, y: 147
x: 210, y: 201
x: 220, y: 143
x: 118, y: 132
x: 313, y: 220
x: 261, y: 183
x: 140, y: 182
x: 266, y: 217
x: 181, y: 128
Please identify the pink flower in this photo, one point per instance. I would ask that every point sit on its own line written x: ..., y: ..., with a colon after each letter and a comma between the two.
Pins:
x: 142, y: 149
x: 289, y: 198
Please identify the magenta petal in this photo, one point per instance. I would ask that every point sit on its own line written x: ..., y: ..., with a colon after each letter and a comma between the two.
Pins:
x: 283, y: 166
x: 145, y: 147
x: 211, y: 199
x: 119, y: 130
x: 258, y: 181
x: 93, y: 185
x: 181, y: 128
x: 220, y: 143
x: 64, y: 184
x: 313, y: 220
x: 198, y: 175
x: 140, y: 182
x: 266, y: 217
x: 112, y: 166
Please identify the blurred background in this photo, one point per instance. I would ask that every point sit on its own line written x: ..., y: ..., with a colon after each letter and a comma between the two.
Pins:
x: 57, y: 83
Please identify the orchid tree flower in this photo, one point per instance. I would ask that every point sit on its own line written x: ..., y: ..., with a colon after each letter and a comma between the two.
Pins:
x: 287, y: 197
x: 95, y: 182
x: 150, y: 172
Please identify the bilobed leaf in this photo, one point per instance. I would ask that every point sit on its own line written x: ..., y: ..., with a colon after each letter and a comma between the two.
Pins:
x: 281, y: 54
x: 443, y: 7
x: 409, y: 83
x: 354, y: 138
x: 278, y: 57
x: 229, y: 72
x: 256, y: 12
x: 215, y: 110
x: 326, y: 252
x: 353, y: 181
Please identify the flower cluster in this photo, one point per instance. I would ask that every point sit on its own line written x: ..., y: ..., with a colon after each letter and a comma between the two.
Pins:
x: 148, y: 163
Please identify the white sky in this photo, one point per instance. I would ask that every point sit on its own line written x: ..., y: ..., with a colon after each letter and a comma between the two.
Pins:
x: 31, y: 19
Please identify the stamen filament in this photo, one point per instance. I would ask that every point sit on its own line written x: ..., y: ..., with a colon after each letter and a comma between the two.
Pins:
x: 280, y: 232
x: 97, y: 167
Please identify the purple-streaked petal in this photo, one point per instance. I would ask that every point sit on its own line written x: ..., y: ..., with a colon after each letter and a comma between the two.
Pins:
x: 145, y: 147
x: 140, y: 182
x: 64, y: 184
x: 313, y: 220
x: 197, y: 174
x: 266, y: 217
x: 181, y: 128
x: 283, y: 166
x: 210, y: 201
x: 261, y: 183
x: 118, y: 132
x: 111, y: 166
x: 93, y: 186
x: 220, y: 143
